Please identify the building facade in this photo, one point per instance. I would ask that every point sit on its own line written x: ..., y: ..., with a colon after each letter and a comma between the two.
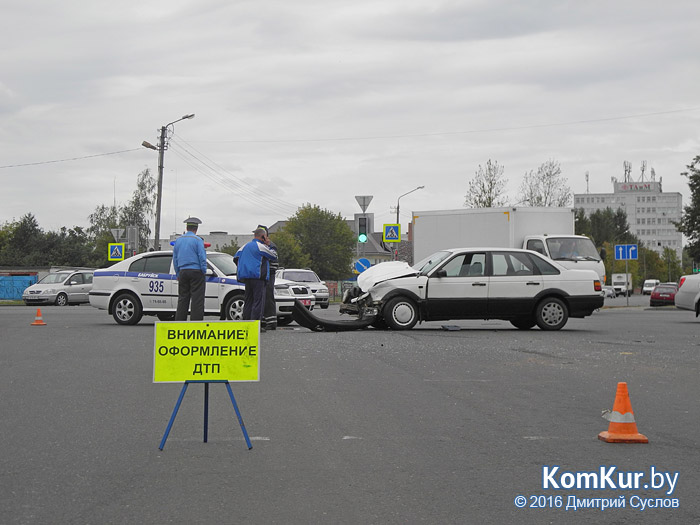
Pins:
x: 650, y: 212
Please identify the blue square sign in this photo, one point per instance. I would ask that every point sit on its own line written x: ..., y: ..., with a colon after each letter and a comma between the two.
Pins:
x: 625, y: 252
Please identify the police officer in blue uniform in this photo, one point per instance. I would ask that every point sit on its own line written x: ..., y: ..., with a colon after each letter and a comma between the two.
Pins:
x: 270, y: 305
x: 190, y: 263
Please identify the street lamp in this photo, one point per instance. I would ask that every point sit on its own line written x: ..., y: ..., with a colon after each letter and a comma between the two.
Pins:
x: 162, y: 146
x: 397, y: 201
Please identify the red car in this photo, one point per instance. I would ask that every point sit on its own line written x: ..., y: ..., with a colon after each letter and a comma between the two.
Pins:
x: 663, y: 294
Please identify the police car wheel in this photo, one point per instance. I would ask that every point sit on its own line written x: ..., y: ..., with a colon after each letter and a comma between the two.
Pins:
x: 61, y: 299
x: 127, y: 309
x: 234, y: 308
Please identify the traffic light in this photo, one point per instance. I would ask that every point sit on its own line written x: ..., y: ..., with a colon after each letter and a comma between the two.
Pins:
x: 362, y: 230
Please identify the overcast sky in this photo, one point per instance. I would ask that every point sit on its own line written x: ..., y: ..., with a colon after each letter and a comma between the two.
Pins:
x: 318, y: 101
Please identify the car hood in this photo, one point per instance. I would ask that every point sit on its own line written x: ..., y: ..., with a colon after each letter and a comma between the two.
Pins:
x: 44, y: 286
x: 384, y: 272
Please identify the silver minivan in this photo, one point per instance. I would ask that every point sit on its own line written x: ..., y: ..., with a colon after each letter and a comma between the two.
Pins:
x: 60, y: 288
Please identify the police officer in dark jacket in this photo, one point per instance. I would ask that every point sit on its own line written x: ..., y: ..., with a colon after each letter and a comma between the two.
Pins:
x: 270, y: 305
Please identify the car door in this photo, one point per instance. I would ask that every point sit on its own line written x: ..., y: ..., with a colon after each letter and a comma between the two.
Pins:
x: 213, y: 289
x: 75, y: 288
x: 155, y: 282
x: 458, y: 289
x: 514, y: 282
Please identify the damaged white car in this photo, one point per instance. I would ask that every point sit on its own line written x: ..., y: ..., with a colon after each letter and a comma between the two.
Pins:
x: 519, y: 286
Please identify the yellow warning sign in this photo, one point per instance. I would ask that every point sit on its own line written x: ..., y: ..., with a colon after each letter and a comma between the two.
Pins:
x: 206, y: 351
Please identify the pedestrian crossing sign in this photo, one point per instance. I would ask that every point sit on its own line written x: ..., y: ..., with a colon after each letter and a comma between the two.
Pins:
x: 115, y: 251
x: 391, y: 233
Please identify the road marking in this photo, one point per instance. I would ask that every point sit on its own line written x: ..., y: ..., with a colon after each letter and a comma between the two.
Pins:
x: 351, y: 437
x: 460, y: 380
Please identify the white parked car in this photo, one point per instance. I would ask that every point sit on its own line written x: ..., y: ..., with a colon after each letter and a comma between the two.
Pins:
x: 146, y: 285
x: 60, y: 288
x: 688, y: 294
x: 308, y: 278
x: 649, y: 286
x: 519, y: 286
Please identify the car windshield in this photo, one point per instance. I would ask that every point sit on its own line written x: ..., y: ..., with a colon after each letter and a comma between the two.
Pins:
x: 572, y: 248
x: 427, y: 264
x: 54, y: 278
x: 301, y: 276
x: 224, y: 262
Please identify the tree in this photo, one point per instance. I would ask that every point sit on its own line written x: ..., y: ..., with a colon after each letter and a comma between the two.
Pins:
x: 139, y: 209
x: 326, y: 238
x: 546, y: 186
x: 689, y: 224
x: 289, y: 250
x: 487, y: 188
x: 231, y: 248
x: 582, y: 224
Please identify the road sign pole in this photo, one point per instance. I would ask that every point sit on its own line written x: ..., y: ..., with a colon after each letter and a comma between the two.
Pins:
x: 628, y: 282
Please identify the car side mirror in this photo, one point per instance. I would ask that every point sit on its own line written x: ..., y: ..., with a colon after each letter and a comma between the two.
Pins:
x: 441, y: 273
x: 209, y: 272
x: 323, y: 283
x: 603, y: 253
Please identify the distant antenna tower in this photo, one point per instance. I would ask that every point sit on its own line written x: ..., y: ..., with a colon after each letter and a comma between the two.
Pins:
x: 587, y: 188
x: 653, y: 175
x: 628, y: 170
x: 643, y: 170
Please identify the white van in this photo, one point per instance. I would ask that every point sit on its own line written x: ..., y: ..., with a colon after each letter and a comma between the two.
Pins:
x: 649, y: 286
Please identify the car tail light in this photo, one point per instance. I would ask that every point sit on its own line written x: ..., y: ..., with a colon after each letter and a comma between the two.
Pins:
x: 681, y: 283
x: 597, y: 286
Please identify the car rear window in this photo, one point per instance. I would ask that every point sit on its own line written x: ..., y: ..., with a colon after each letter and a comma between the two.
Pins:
x: 665, y: 289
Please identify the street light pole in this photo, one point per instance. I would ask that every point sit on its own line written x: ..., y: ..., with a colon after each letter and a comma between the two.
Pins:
x: 162, y: 145
x: 398, y: 219
x: 399, y: 199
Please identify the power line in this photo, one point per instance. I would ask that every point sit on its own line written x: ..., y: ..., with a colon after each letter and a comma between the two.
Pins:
x: 71, y: 159
x: 467, y: 132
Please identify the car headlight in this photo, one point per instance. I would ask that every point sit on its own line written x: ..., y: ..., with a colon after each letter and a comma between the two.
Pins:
x: 49, y: 291
x: 282, y: 290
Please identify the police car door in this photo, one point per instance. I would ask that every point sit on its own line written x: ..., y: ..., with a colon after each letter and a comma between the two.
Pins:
x: 155, y: 283
x: 212, y: 291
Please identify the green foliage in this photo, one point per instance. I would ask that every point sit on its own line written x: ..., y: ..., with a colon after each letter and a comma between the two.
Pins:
x: 582, y: 223
x: 326, y: 238
x: 24, y: 243
x: 689, y: 224
x: 231, y: 249
x: 289, y: 250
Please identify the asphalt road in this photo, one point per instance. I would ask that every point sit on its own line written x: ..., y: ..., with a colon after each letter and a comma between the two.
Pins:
x: 425, y: 426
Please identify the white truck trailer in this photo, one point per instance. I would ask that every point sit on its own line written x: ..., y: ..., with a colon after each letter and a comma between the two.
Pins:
x: 549, y: 231
x: 622, y: 282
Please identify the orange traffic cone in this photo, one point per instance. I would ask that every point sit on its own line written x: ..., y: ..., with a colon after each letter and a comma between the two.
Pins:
x: 38, y: 321
x: 622, y: 428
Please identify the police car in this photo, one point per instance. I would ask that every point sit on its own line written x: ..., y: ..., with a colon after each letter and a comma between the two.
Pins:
x: 145, y: 284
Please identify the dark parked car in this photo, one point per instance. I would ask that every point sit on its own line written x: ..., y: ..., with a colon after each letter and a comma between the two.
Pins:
x: 663, y: 295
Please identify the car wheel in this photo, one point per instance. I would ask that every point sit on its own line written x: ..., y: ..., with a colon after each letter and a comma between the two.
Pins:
x: 234, y: 308
x: 166, y: 316
x: 551, y: 314
x: 401, y: 313
x: 61, y: 299
x: 523, y: 324
x: 127, y: 309
x: 284, y: 321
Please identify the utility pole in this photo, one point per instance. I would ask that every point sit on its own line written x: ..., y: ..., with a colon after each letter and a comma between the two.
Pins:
x: 161, y: 154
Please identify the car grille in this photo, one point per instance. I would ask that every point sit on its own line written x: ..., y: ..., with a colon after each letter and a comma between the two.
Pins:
x: 34, y: 292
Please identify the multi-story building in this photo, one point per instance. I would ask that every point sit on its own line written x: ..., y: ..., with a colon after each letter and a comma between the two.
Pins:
x: 650, y: 212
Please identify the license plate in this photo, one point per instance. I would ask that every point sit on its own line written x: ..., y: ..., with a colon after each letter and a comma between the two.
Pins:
x: 306, y: 302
